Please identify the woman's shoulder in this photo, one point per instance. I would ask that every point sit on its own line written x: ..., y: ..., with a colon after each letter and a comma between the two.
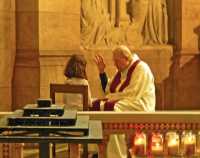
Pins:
x: 79, y: 81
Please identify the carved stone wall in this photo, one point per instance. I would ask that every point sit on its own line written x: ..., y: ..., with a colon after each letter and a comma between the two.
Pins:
x: 44, y: 46
x: 7, y: 52
x: 133, y: 22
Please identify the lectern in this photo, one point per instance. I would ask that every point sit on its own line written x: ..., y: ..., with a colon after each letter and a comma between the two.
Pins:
x: 44, y: 125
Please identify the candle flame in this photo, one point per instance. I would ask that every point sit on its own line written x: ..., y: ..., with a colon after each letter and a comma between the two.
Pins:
x: 139, y: 141
x: 173, y: 142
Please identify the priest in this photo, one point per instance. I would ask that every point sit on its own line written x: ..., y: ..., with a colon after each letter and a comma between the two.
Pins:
x: 132, y: 88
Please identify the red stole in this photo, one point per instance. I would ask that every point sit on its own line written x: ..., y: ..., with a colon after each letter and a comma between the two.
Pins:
x: 109, y: 104
x: 117, y: 78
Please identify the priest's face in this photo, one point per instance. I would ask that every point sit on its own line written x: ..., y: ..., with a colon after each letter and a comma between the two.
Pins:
x: 120, y: 62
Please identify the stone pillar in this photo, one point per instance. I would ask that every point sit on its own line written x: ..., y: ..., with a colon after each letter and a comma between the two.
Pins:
x: 186, y: 74
x: 7, y: 61
x: 190, y: 21
x: 26, y: 73
x: 7, y: 52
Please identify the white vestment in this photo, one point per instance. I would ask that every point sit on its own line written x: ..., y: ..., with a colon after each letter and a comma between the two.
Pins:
x: 139, y: 95
x: 75, y: 101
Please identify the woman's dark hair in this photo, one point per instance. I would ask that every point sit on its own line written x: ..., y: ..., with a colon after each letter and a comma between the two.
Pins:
x: 76, y: 67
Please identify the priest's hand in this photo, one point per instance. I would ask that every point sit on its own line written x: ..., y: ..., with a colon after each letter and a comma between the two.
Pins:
x: 100, y: 63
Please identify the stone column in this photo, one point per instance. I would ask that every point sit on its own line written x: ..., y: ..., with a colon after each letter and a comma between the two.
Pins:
x: 186, y: 74
x: 26, y: 73
x: 190, y: 21
x: 7, y: 52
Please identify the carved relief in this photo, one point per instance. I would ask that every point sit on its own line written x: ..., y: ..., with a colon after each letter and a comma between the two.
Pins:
x: 155, y: 30
x: 132, y: 22
x: 97, y: 28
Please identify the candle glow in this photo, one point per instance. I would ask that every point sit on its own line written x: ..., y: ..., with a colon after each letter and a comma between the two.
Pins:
x: 139, y: 146
x: 157, y: 144
x: 189, y: 143
x: 172, y: 143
